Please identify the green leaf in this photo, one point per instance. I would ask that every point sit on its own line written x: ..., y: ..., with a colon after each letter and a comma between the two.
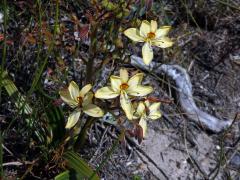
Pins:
x: 75, y: 162
x: 136, y: 177
x: 109, y: 5
x: 63, y: 176
x: 69, y: 175
x: 56, y: 123
x: 13, y: 92
x: 22, y: 106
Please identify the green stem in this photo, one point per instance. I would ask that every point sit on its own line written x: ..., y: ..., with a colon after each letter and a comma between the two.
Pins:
x: 92, y: 53
x: 81, y: 139
x: 39, y: 71
x: 4, y: 46
x: 56, y: 23
x: 39, y: 32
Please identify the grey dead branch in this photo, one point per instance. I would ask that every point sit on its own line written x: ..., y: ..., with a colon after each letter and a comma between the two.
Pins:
x: 184, y: 90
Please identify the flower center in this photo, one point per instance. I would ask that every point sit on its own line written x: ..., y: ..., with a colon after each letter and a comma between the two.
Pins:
x: 151, y: 35
x: 124, y: 86
x: 80, y: 100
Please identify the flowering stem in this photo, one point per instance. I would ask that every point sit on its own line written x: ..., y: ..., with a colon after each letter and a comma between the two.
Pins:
x: 4, y: 52
x: 81, y: 139
x: 92, y: 51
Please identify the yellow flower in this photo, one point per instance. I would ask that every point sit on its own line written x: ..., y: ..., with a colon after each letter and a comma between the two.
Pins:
x: 151, y: 36
x: 124, y: 87
x: 80, y: 100
x: 146, y: 111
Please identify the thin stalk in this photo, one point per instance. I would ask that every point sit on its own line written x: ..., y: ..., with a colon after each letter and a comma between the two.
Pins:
x: 92, y: 52
x: 4, y: 46
x: 221, y: 159
x: 1, y: 156
x: 56, y: 23
x: 222, y: 153
x: 39, y: 32
x: 190, y: 14
x: 81, y: 139
x: 229, y: 5
x: 39, y: 72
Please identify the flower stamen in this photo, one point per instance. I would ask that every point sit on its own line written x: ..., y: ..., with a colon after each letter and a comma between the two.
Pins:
x: 151, y: 35
x: 80, y: 100
x: 124, y: 86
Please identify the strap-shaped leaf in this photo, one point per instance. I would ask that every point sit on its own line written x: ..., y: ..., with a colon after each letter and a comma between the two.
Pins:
x: 56, y: 124
x: 21, y: 104
x: 63, y: 176
x: 13, y: 92
x: 75, y: 162
x: 69, y: 175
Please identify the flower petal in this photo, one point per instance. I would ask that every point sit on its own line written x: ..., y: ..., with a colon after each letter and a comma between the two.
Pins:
x: 135, y: 80
x: 66, y: 97
x: 155, y: 115
x: 163, y: 42
x: 133, y: 34
x: 143, y: 124
x: 124, y: 75
x: 154, y: 107
x: 154, y: 111
x: 126, y: 105
x: 73, y: 90
x: 141, y: 109
x: 145, y: 28
x: 147, y: 53
x: 106, y: 93
x: 93, y: 110
x: 140, y: 91
x: 115, y: 83
x: 87, y: 99
x: 153, y: 26
x: 162, y: 31
x: 85, y: 90
x: 73, y: 119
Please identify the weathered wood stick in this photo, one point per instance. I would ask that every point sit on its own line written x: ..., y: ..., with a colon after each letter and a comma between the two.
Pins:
x: 184, y: 89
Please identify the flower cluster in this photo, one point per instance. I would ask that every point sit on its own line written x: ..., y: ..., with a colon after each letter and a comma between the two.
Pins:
x: 122, y: 86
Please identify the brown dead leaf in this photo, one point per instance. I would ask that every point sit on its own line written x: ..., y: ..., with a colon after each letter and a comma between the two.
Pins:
x: 139, y: 133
